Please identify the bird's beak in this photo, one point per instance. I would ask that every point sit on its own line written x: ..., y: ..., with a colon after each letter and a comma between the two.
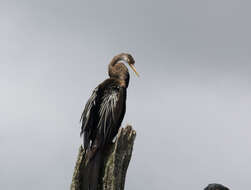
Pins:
x: 134, y: 69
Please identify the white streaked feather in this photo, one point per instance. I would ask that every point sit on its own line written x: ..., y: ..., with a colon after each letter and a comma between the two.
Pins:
x: 107, y: 112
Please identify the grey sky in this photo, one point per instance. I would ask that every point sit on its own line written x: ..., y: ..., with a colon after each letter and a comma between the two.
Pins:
x: 191, y: 106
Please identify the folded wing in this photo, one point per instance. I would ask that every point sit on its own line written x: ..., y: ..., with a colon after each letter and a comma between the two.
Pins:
x: 102, y: 115
x: 87, y: 118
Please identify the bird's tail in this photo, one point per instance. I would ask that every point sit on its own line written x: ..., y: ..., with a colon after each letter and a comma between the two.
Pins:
x: 92, y: 169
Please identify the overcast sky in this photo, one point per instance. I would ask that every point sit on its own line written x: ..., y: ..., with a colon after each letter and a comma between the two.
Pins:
x: 191, y: 106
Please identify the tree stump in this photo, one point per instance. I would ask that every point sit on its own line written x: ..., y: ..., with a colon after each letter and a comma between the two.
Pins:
x: 114, y: 167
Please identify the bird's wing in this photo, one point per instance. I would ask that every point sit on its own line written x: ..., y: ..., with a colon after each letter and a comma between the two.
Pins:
x: 87, y: 117
x: 109, y: 112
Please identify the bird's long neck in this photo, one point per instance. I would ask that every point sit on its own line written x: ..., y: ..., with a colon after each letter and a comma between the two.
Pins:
x: 116, y: 59
x: 118, y: 70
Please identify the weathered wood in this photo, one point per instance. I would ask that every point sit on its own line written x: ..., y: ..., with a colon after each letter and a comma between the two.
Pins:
x: 114, y: 167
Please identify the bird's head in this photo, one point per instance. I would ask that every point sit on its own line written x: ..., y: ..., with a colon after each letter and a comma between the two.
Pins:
x: 127, y: 58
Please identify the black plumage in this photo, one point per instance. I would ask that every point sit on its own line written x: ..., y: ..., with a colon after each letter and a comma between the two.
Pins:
x: 215, y: 186
x: 103, y: 114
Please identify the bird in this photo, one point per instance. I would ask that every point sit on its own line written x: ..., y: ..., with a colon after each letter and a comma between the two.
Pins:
x: 216, y: 186
x: 103, y: 114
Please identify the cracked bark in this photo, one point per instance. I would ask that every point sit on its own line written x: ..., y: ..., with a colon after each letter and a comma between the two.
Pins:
x: 115, y: 163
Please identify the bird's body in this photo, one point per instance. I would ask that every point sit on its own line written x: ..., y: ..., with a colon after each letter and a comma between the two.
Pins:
x: 103, y: 115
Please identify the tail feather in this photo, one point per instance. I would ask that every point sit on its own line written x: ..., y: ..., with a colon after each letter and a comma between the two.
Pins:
x: 92, y: 170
